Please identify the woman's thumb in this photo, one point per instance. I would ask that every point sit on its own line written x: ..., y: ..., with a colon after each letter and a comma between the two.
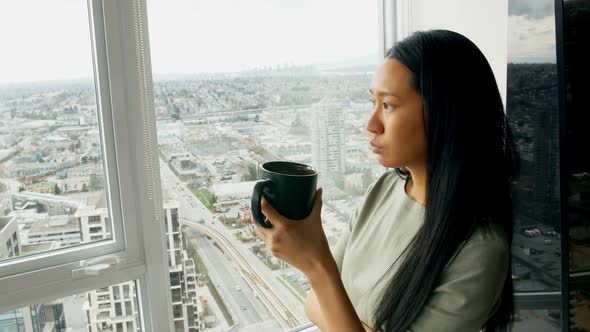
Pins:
x: 318, y: 200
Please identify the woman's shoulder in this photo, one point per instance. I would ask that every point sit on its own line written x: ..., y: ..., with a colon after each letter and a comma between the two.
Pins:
x: 376, y: 197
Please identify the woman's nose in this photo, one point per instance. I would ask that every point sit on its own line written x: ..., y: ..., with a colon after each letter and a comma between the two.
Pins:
x: 374, y: 125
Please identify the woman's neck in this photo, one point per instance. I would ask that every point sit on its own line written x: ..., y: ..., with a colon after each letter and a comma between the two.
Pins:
x: 416, y: 185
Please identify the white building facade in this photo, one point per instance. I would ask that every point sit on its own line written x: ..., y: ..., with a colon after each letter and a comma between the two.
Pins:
x: 328, y: 146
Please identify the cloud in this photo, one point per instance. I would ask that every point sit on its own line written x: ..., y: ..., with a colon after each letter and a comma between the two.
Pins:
x: 534, y: 9
x: 531, y: 40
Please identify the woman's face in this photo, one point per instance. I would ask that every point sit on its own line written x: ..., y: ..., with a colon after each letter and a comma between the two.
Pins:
x: 396, y: 125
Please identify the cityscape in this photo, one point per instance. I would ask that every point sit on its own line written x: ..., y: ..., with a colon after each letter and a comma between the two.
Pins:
x: 214, y: 131
x: 213, y: 134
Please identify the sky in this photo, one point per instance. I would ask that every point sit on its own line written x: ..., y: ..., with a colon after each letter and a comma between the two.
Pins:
x: 531, y: 31
x: 44, y: 40
x: 50, y: 40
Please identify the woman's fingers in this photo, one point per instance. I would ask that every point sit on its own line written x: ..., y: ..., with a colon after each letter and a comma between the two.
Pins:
x: 317, y: 206
x: 273, y: 215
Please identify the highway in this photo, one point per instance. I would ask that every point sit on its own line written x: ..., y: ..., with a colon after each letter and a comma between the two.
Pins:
x: 272, y: 302
x: 240, y: 300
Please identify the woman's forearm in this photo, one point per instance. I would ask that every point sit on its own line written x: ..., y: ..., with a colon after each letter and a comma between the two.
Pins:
x: 315, y: 315
x: 336, y: 309
x: 314, y: 311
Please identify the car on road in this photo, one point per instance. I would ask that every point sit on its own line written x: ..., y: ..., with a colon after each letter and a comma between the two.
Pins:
x: 243, y: 307
x: 238, y: 288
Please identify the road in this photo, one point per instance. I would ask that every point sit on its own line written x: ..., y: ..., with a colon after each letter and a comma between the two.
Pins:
x: 246, y: 309
x: 264, y: 292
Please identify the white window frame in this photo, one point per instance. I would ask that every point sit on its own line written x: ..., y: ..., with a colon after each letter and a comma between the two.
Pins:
x: 394, y: 22
x: 128, y: 137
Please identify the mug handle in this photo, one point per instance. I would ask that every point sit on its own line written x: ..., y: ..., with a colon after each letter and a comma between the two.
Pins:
x: 255, y: 203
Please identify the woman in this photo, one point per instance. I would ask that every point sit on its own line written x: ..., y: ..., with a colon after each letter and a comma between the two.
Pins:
x: 430, y: 248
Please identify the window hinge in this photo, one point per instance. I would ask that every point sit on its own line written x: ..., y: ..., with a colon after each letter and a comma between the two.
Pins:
x: 94, y: 267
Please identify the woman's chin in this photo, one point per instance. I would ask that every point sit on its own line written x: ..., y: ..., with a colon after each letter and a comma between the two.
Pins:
x: 382, y: 160
x: 387, y: 163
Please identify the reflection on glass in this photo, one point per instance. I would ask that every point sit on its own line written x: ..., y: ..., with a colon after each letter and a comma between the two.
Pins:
x: 51, y: 172
x: 537, y: 320
x: 533, y: 114
x: 532, y: 109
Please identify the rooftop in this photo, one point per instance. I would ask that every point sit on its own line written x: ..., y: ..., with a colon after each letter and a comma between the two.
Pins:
x: 236, y: 188
x: 42, y: 226
x: 39, y: 247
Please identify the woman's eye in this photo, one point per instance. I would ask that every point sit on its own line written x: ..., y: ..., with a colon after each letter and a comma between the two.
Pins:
x: 388, y: 106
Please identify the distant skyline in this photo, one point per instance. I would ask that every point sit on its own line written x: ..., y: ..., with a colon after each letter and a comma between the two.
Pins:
x: 52, y: 42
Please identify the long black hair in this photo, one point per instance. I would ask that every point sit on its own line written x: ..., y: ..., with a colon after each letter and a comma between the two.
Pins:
x: 471, y: 161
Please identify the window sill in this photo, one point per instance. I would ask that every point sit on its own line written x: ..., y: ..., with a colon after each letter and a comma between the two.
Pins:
x: 306, y: 328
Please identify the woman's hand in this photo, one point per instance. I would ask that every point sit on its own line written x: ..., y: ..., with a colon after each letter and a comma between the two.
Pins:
x: 301, y: 243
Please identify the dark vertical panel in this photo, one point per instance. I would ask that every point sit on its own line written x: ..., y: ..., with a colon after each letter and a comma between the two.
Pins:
x: 565, y: 308
x: 576, y: 156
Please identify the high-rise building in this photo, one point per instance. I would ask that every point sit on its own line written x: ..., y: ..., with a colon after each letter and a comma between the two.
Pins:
x: 328, y: 146
x: 183, y: 279
x: 113, y: 308
x: 94, y: 221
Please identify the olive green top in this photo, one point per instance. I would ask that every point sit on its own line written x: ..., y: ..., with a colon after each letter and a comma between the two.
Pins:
x: 470, y: 285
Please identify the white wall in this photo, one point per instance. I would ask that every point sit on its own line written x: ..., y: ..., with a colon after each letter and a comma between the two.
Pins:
x: 485, y: 22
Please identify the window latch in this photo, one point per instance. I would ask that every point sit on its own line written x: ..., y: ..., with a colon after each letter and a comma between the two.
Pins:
x: 96, y: 266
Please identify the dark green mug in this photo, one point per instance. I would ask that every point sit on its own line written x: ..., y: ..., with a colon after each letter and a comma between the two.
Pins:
x: 289, y: 187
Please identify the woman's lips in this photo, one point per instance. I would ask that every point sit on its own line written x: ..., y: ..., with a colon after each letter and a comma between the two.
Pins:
x: 376, y: 149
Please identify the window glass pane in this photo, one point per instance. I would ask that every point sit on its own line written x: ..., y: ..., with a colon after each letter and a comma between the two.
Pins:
x: 261, y: 86
x: 90, y: 311
x: 52, y: 192
x: 533, y: 114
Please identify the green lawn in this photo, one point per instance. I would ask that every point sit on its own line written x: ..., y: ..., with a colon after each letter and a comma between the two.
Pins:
x: 204, y: 196
x: 300, y: 294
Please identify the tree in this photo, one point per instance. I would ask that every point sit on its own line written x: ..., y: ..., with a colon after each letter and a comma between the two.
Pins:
x: 84, y: 187
x: 56, y: 189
